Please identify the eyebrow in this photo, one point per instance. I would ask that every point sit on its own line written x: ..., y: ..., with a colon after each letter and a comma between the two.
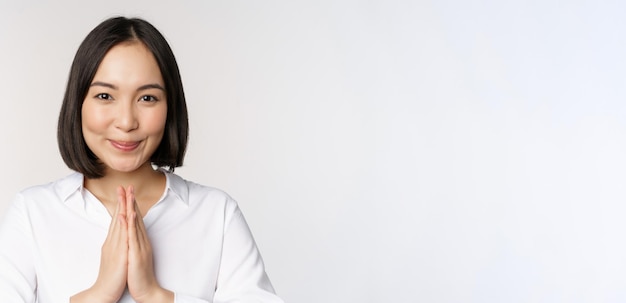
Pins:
x: 143, y: 87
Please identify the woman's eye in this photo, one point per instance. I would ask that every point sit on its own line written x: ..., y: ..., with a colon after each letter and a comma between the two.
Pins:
x: 104, y: 96
x: 149, y: 98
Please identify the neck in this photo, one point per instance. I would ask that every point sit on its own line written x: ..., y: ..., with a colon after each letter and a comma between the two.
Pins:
x: 148, y: 183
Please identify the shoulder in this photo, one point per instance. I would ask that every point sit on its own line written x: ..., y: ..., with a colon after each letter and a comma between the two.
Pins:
x: 49, y: 197
x: 196, y: 193
x: 59, y: 189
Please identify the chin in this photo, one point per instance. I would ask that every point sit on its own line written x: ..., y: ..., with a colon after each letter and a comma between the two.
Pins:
x: 124, y: 168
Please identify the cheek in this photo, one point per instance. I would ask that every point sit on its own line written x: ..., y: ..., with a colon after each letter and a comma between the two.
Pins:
x: 92, y: 119
x: 155, y: 121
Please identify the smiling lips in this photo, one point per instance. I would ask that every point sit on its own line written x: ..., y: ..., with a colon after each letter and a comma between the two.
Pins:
x: 125, y: 145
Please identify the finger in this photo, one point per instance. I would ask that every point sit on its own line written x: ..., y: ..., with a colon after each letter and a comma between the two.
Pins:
x: 122, y: 222
x: 121, y: 198
x: 140, y: 216
x: 130, y: 210
x: 136, y: 220
x: 119, y: 225
x: 115, y: 216
x: 132, y: 235
x: 131, y: 219
x: 130, y: 200
x: 142, y: 234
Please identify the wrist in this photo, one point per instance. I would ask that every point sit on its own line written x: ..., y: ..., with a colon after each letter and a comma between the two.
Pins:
x: 92, y: 295
x: 159, y: 295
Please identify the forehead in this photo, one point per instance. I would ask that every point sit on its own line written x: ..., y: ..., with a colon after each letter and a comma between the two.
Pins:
x: 129, y: 64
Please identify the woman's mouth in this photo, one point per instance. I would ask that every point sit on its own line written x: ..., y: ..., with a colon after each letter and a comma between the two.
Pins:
x: 125, y: 146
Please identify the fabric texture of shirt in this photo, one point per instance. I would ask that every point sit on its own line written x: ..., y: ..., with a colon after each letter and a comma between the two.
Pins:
x: 51, y: 239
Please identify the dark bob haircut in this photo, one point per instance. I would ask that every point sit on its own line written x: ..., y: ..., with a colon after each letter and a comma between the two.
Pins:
x: 77, y: 156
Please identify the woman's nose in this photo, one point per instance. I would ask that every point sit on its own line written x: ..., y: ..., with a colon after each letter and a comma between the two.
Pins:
x: 126, y: 119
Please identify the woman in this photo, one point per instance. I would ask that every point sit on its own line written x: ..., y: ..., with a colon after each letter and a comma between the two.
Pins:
x: 124, y: 228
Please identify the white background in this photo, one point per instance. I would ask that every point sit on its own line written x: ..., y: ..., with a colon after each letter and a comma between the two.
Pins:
x: 382, y: 151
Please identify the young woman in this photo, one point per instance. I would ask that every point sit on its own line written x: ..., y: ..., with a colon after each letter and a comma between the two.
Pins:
x: 123, y: 227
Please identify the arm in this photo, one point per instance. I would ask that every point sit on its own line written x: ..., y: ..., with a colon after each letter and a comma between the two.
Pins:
x: 18, y: 282
x: 242, y: 276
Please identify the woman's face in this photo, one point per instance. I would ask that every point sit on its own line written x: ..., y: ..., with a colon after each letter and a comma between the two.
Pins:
x: 124, y: 112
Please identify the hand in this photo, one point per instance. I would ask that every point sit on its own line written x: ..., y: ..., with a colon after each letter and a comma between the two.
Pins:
x: 142, y: 283
x: 126, y: 259
x: 111, y: 281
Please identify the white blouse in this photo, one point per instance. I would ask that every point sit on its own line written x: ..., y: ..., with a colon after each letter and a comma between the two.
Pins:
x: 52, y: 235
